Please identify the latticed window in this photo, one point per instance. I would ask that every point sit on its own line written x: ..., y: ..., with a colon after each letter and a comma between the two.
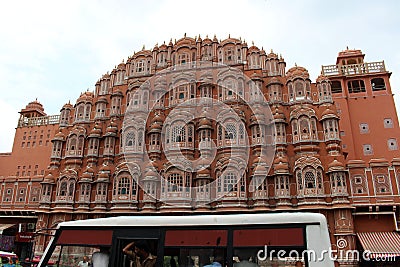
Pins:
x: 72, y: 144
x: 229, y: 54
x: 140, y: 66
x: 230, y: 181
x: 294, y: 128
x: 241, y: 131
x: 130, y: 139
x: 134, y: 187
x: 299, y: 88
x: 282, y: 182
x: 87, y: 113
x: 183, y: 58
x: 256, y: 183
x: 304, y: 126
x: 339, y: 178
x: 150, y: 188
x: 338, y: 182
x: 80, y: 112
x: 178, y: 134
x: 219, y: 132
x: 63, y: 188
x: 71, y: 188
x: 319, y: 179
x: 46, y: 190
x: 190, y: 133
x: 85, y: 189
x: 230, y: 132
x: 309, y: 180
x: 123, y: 186
x: 175, y: 182
x: 299, y: 181
x: 282, y: 185
x: 207, y: 52
x: 140, y: 139
x: 167, y: 134
x: 101, y: 189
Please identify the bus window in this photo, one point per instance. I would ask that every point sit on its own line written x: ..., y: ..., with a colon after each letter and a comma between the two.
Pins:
x: 74, y: 244
x: 195, y: 247
x: 260, y: 246
x: 129, y: 251
x: 71, y: 255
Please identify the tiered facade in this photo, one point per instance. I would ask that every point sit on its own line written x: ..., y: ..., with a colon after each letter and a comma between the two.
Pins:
x: 103, y: 164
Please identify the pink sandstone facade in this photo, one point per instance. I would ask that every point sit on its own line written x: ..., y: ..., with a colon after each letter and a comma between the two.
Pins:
x: 331, y: 155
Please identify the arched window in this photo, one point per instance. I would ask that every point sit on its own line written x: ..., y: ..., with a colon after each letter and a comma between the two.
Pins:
x: 140, y: 66
x: 282, y: 186
x: 175, y: 182
x: 230, y: 132
x: 63, y: 188
x: 133, y: 140
x: 229, y: 55
x: 100, y: 110
x: 85, y: 189
x: 87, y: 111
x: 140, y: 139
x: 230, y: 181
x: 80, y: 112
x: 309, y: 180
x: 145, y: 98
x: 183, y: 58
x: 299, y: 89
x: 304, y: 124
x: 291, y: 93
x: 72, y: 146
x: 219, y: 132
x: 178, y: 134
x: 207, y: 50
x: 124, y: 186
x: 130, y: 139
x: 57, y: 147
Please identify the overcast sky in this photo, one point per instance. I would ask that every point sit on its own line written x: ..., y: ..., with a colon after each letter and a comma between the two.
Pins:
x: 54, y: 50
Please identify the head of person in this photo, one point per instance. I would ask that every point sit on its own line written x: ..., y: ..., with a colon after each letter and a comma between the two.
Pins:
x: 243, y: 255
x: 85, y: 258
x: 219, y: 258
x: 104, y: 249
x: 142, y: 249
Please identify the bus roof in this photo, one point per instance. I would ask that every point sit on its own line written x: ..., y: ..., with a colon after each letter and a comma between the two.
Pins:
x: 196, y: 220
x: 7, y: 254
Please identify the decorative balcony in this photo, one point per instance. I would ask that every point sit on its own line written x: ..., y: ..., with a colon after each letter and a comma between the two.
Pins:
x: 38, y: 121
x: 354, y: 69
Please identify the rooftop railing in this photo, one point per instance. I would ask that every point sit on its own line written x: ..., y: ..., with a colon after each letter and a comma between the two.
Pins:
x: 38, y: 121
x: 354, y: 69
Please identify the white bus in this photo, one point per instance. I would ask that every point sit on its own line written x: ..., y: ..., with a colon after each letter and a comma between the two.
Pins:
x: 276, y: 239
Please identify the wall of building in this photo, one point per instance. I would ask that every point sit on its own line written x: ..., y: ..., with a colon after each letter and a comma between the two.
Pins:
x: 319, y: 163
